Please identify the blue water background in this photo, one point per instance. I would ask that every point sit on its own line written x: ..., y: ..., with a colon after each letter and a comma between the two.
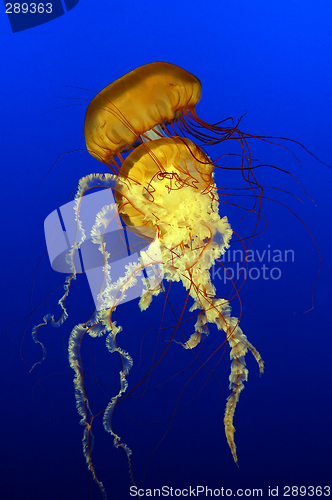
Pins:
x: 272, y: 59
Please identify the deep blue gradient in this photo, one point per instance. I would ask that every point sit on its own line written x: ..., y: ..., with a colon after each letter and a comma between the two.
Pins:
x: 271, y: 59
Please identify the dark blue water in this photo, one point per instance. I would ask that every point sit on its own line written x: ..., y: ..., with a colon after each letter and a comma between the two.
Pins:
x: 269, y: 59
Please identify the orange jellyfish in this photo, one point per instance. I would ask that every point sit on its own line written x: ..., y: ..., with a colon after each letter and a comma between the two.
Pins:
x: 168, y: 185
x: 130, y: 107
x: 165, y: 191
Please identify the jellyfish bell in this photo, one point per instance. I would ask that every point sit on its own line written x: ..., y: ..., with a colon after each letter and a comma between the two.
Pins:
x: 136, y: 103
x: 160, y: 185
x: 150, y: 102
